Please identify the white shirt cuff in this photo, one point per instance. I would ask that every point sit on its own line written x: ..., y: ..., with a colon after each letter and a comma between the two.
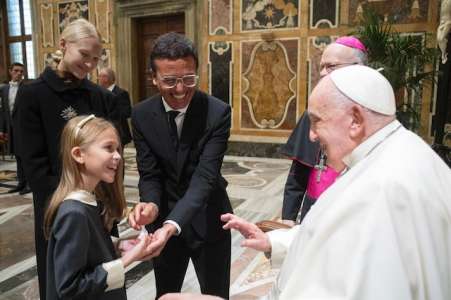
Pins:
x: 116, y: 274
x: 179, y: 230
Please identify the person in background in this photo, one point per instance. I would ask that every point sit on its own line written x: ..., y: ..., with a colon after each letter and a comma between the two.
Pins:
x: 8, y: 108
x: 107, y: 79
x: 181, y: 137
x: 381, y: 231
x: 46, y: 104
x: 310, y: 173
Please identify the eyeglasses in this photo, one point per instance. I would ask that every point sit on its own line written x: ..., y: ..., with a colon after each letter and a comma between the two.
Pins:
x: 169, y: 82
x: 331, y: 67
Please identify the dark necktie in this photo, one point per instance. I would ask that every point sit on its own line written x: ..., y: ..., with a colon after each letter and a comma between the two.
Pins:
x: 172, y: 114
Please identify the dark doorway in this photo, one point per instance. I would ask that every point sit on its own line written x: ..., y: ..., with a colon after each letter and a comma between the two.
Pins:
x: 148, y: 29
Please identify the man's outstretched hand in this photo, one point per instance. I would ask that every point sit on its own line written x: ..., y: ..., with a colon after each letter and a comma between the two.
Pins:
x: 254, y: 237
x: 142, y: 214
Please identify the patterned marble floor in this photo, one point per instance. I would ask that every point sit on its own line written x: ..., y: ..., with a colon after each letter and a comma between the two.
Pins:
x: 255, y: 189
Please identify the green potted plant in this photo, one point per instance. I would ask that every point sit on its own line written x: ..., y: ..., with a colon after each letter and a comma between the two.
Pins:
x: 405, y: 60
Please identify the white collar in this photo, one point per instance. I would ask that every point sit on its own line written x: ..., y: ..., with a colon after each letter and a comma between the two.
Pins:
x: 111, y: 87
x: 168, y: 108
x: 82, y: 196
x: 14, y: 83
x: 365, y: 148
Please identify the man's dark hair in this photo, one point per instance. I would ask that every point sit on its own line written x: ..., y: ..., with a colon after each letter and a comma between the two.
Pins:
x: 172, y: 46
x: 14, y: 64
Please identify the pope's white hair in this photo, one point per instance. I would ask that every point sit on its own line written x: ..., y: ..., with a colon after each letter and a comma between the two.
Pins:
x: 361, y: 56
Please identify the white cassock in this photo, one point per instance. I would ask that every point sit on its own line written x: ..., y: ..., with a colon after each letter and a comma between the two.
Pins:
x: 382, y: 231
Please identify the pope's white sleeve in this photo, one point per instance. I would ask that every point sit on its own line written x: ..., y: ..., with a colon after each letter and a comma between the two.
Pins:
x: 280, y: 242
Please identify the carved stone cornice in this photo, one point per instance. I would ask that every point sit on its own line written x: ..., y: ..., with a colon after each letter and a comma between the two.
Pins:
x: 135, y: 8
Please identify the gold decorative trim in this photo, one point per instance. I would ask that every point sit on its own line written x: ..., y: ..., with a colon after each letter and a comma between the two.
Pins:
x: 102, y: 16
x: 47, y: 25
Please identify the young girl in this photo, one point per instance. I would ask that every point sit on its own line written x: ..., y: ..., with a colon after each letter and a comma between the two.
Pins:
x: 82, y: 262
x: 44, y: 107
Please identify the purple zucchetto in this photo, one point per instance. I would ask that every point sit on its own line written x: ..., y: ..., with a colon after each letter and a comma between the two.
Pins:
x: 351, y: 42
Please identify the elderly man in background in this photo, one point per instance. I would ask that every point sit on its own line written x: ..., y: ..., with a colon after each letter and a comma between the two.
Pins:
x: 310, y: 173
x: 382, y: 230
x: 107, y: 79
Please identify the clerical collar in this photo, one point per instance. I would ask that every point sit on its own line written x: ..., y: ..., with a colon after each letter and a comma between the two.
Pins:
x: 82, y: 196
x: 365, y: 148
x: 168, y: 108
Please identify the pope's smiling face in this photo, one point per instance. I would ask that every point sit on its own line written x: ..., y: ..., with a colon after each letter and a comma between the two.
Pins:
x: 180, y: 95
x: 330, y: 123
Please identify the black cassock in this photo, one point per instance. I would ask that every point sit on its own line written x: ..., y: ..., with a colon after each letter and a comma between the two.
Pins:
x: 304, y: 154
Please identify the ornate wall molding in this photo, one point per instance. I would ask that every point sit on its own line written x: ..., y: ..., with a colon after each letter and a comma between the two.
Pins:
x: 324, y: 13
x: 126, y: 12
x: 220, y: 77
x: 47, y: 25
x: 220, y: 17
x: 102, y: 13
x: 269, y: 85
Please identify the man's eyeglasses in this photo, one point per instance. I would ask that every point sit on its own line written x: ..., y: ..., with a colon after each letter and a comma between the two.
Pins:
x: 169, y: 82
x: 331, y: 67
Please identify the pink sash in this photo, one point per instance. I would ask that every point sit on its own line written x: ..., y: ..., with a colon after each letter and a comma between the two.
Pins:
x: 314, y: 188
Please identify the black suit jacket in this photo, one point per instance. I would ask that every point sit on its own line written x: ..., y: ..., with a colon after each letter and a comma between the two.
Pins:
x: 45, y: 105
x: 187, y: 186
x: 6, y: 116
x: 124, y: 109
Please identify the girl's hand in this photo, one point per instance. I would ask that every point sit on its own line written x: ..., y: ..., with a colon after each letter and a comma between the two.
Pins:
x: 127, y: 245
x: 135, y: 250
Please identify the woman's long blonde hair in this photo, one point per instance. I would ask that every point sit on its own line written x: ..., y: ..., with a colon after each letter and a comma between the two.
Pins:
x: 74, y: 31
x: 110, y: 194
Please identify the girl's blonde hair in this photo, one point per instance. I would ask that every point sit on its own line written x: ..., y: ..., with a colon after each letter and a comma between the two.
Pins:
x: 74, y: 31
x: 79, y: 134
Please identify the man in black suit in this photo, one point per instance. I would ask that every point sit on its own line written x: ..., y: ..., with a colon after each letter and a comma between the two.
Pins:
x: 7, y: 109
x: 180, y: 137
x: 107, y: 79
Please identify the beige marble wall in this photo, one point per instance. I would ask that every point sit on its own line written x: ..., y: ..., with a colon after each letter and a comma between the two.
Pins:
x: 275, y: 48
x: 51, y: 16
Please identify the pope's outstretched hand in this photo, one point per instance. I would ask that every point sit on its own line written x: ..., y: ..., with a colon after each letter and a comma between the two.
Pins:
x: 254, y: 237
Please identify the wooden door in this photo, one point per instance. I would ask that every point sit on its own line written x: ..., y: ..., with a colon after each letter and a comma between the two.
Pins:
x: 148, y: 29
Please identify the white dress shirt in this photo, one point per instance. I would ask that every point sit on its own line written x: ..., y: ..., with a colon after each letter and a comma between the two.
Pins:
x: 13, y: 87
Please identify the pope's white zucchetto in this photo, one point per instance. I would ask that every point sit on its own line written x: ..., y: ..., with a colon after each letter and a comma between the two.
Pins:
x: 366, y: 87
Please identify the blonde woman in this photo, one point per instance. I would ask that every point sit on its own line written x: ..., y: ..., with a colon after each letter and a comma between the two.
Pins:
x: 82, y: 263
x: 45, y: 105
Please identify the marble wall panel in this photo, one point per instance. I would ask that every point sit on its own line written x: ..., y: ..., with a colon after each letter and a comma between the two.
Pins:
x: 269, y: 84
x: 47, y: 25
x: 103, y: 12
x: 324, y: 13
x: 316, y: 46
x: 71, y: 10
x: 220, y: 16
x: 264, y: 14
x: 105, y: 59
x: 220, y: 81
x: 397, y: 11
